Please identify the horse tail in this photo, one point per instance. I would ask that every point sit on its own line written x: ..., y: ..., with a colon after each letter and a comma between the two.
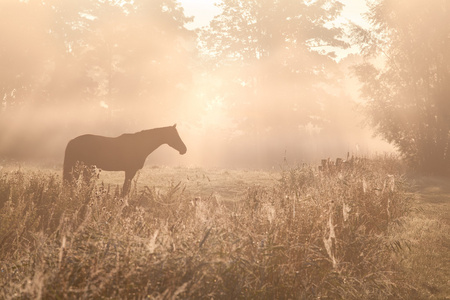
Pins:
x: 69, y: 163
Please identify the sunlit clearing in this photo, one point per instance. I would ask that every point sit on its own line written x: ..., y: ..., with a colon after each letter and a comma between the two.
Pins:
x: 241, y: 98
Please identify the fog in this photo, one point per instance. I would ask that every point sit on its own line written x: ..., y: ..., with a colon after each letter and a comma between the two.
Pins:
x: 248, y: 91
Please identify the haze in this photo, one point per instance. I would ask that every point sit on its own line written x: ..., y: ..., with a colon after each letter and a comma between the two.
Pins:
x: 249, y: 89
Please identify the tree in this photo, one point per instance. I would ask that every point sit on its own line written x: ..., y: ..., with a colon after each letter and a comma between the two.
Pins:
x: 141, y: 55
x: 408, y: 86
x: 90, y: 48
x: 25, y: 51
x: 274, y: 73
x: 118, y: 64
x: 273, y: 79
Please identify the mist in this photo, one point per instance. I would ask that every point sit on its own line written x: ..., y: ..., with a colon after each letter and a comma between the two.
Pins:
x: 248, y: 92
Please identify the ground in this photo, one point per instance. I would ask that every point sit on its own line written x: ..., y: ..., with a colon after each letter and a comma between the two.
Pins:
x: 427, y: 228
x: 226, y: 184
x: 426, y: 254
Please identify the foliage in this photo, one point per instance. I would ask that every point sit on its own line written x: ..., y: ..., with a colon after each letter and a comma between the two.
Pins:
x: 265, y: 77
x: 271, y: 60
x: 314, y: 234
x: 106, y: 60
x: 91, y: 49
x: 408, y: 92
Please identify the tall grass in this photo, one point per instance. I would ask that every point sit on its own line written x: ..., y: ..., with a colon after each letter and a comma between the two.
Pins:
x: 313, y: 235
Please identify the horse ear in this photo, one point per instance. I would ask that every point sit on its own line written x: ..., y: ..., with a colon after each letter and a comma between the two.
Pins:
x: 174, y: 125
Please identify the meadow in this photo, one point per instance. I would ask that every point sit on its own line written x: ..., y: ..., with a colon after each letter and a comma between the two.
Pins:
x: 191, y: 233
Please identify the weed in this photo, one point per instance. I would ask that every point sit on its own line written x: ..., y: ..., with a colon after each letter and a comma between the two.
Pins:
x: 310, y: 235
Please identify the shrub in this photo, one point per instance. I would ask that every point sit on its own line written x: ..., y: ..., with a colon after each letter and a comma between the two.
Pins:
x: 311, y: 235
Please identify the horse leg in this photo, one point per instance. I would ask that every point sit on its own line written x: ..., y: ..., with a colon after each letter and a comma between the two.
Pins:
x: 68, y: 170
x: 86, y: 174
x: 67, y: 174
x: 129, y: 174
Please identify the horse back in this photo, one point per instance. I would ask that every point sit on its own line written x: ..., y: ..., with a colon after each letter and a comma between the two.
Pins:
x: 113, y: 154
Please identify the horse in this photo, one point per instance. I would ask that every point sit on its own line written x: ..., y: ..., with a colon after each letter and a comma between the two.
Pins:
x: 126, y: 152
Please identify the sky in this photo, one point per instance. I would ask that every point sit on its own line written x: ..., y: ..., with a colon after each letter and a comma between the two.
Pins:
x: 354, y: 10
x: 204, y: 10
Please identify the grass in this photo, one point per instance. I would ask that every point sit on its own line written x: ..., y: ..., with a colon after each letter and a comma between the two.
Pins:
x: 427, y: 263
x: 223, y: 234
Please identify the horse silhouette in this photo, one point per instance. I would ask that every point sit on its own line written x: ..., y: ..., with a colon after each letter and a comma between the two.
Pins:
x: 123, y: 153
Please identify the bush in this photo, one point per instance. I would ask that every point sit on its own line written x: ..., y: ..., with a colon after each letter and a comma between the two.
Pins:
x: 314, y: 234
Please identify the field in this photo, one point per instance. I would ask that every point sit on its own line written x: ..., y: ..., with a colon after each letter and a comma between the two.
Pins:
x: 363, y: 231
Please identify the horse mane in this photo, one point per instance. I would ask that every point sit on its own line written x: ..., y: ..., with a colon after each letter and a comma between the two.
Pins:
x: 152, y: 130
x: 143, y: 132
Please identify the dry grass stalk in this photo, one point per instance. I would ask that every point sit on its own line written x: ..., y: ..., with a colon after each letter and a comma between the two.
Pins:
x: 312, y: 235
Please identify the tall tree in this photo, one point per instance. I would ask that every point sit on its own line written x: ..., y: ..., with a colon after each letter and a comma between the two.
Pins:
x: 272, y: 58
x: 87, y: 49
x: 26, y: 51
x: 408, y: 86
x: 142, y: 54
x: 72, y: 58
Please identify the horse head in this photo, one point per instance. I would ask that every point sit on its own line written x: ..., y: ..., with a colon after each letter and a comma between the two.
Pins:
x: 175, y: 141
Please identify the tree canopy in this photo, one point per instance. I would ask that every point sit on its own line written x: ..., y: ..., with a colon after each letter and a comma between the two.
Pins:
x: 70, y: 60
x: 263, y: 76
x: 265, y: 53
x: 408, y: 90
x: 89, y: 50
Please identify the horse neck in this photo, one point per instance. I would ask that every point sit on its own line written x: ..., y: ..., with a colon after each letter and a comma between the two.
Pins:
x: 154, y: 138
